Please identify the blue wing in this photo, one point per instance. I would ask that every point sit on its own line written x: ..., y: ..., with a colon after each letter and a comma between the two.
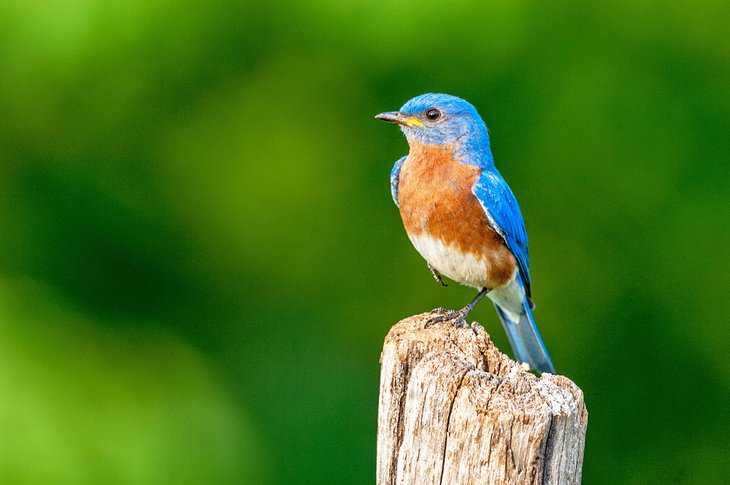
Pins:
x: 513, y: 305
x: 394, y: 175
x: 503, y: 212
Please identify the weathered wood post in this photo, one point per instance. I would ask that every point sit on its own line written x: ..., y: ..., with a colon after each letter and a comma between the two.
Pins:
x: 454, y: 410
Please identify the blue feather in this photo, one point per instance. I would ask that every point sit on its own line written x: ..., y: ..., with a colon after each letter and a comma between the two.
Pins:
x: 394, y: 177
x: 503, y: 212
x: 460, y: 125
x: 524, y: 337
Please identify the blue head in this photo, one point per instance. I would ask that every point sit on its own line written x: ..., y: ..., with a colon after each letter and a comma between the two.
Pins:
x: 442, y: 119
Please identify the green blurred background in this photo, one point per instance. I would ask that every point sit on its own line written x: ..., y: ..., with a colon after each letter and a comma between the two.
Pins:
x: 199, y: 255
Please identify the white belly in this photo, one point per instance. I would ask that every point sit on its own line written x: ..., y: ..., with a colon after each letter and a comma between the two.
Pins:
x: 465, y: 268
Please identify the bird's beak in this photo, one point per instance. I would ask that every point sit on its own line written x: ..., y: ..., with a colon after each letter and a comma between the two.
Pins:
x: 400, y: 118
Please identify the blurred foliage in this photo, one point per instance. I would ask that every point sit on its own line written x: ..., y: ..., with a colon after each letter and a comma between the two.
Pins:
x: 199, y: 256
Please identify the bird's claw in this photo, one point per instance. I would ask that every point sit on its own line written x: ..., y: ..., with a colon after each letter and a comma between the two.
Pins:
x: 457, y: 316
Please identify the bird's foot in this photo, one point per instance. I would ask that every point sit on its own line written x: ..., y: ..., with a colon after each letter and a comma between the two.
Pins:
x: 436, y: 274
x: 457, y: 316
x: 444, y: 315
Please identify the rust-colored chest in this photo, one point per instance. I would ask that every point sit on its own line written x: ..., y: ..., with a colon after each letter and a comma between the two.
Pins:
x: 436, y: 200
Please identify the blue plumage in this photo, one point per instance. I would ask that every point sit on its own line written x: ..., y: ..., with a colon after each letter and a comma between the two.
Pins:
x: 524, y: 338
x: 394, y: 175
x: 460, y: 123
x: 500, y: 206
x: 454, y: 124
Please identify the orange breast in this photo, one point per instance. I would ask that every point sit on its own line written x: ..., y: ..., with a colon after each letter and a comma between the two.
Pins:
x: 435, y: 198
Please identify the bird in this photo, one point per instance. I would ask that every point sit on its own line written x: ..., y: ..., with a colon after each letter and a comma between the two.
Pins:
x: 463, y: 218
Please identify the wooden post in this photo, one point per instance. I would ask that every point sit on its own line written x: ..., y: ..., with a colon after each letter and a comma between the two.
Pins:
x: 454, y: 410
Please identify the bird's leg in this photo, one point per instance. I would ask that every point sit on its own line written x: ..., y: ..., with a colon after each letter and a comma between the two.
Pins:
x: 458, y: 315
x: 467, y: 309
x: 436, y: 274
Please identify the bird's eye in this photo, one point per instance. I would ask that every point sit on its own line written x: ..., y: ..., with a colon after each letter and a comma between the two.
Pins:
x: 433, y: 114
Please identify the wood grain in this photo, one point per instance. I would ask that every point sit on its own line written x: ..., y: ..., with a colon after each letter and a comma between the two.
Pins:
x: 454, y: 410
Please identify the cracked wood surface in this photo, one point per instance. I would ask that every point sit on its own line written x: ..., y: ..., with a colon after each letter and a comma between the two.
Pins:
x: 454, y: 410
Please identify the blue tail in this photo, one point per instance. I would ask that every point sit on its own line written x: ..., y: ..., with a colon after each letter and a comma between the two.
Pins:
x: 525, y: 339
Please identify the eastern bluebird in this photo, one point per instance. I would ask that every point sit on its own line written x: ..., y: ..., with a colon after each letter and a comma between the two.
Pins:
x: 462, y: 217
